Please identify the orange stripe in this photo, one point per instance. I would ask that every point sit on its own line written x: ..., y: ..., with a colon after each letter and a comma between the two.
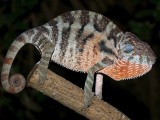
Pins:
x: 124, y: 70
x: 8, y: 61
x: 11, y: 90
x: 21, y: 38
x: 4, y: 77
x: 12, y: 48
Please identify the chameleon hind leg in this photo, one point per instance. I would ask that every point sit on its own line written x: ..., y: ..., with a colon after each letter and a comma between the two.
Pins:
x: 88, y: 94
x: 46, y: 53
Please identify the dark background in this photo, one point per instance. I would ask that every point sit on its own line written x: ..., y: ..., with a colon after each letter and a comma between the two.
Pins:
x: 139, y: 99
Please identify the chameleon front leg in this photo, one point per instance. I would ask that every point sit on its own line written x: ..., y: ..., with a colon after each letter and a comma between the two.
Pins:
x: 88, y: 94
x: 47, y: 50
x: 98, y: 85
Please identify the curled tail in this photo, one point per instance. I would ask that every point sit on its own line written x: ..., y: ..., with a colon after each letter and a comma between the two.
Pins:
x: 15, y: 83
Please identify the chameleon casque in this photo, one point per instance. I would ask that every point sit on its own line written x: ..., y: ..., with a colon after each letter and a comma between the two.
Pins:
x: 82, y: 41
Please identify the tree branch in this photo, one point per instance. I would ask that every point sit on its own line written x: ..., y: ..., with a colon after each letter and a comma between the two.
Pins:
x: 71, y: 96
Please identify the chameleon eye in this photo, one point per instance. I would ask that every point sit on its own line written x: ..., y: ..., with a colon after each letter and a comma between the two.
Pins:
x: 128, y: 48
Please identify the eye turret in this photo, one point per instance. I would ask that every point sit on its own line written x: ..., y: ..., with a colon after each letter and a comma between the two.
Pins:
x: 128, y: 48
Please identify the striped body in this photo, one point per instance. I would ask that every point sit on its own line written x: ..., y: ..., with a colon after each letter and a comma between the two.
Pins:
x: 82, y: 41
x: 79, y: 44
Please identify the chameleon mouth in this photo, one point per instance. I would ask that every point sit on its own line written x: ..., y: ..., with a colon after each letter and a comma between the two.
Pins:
x: 122, y: 70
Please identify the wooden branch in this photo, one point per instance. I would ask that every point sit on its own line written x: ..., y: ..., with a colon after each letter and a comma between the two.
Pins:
x: 71, y: 96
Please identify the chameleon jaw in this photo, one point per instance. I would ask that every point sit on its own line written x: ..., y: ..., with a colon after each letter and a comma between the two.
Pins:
x: 123, y: 70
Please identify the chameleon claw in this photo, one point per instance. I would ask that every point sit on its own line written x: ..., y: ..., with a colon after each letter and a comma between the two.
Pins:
x: 42, y: 76
x: 87, y: 100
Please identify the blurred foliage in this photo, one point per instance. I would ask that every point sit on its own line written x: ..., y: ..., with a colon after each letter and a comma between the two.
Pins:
x: 139, y: 99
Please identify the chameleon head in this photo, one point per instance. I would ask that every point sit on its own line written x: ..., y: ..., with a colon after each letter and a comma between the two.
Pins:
x: 135, y: 58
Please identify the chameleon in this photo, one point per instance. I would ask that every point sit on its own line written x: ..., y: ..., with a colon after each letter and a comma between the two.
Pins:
x: 82, y: 41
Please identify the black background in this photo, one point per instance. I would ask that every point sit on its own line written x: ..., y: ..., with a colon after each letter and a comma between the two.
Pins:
x: 139, y: 99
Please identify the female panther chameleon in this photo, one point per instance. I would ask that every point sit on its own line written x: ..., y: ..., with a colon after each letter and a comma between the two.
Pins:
x: 82, y: 41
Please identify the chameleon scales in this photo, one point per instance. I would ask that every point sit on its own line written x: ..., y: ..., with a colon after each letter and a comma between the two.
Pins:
x: 82, y: 41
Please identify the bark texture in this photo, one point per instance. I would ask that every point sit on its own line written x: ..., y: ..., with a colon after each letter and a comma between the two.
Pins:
x: 71, y: 96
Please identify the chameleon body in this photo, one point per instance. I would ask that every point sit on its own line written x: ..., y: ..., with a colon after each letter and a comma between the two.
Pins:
x: 82, y: 41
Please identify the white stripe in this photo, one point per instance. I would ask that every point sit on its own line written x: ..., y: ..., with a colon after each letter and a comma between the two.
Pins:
x: 110, y: 26
x: 119, y: 34
x: 30, y: 38
x: 60, y: 26
x: 77, y: 15
x: 50, y: 36
x: 91, y: 16
x: 6, y: 68
x: 72, y: 44
x: 99, y: 17
x: 89, y: 28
